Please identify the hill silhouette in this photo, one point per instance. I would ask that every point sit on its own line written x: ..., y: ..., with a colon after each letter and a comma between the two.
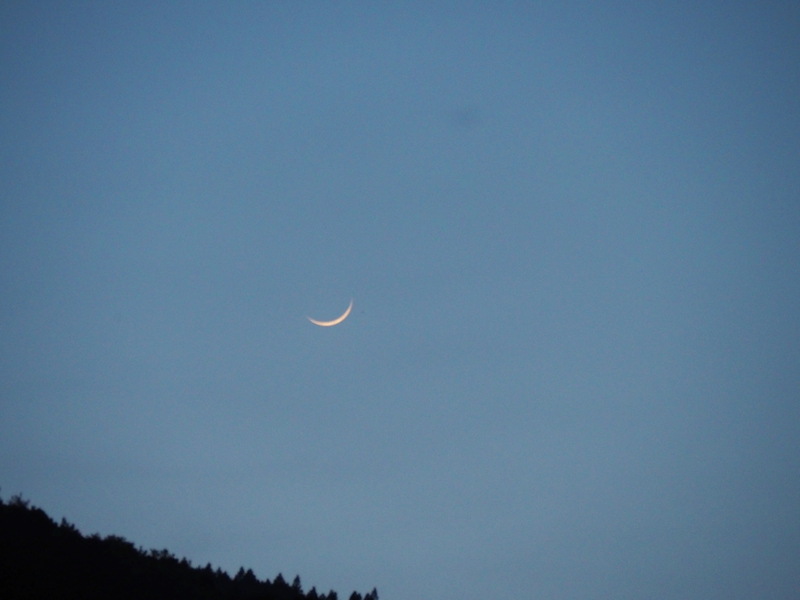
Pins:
x: 42, y: 559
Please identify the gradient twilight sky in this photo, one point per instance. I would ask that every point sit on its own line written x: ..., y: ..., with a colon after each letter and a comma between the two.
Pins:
x: 571, y: 232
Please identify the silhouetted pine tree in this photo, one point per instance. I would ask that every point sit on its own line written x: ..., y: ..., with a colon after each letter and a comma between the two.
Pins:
x: 297, y: 588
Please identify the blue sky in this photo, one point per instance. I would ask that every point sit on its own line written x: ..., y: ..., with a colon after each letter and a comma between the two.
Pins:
x: 571, y: 233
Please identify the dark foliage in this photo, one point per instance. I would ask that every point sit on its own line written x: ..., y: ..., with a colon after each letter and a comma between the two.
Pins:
x: 42, y: 559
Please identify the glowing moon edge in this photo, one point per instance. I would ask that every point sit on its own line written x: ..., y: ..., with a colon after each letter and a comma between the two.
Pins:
x: 335, y: 321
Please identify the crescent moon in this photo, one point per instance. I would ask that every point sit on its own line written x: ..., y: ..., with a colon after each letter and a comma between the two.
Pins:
x: 335, y: 321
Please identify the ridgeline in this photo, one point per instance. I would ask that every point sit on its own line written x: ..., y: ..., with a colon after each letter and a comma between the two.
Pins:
x: 42, y: 559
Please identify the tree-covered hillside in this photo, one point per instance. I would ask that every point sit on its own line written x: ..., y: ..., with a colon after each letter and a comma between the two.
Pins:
x: 42, y: 559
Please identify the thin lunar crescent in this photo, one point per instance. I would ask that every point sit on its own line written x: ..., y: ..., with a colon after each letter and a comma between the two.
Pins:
x: 335, y: 321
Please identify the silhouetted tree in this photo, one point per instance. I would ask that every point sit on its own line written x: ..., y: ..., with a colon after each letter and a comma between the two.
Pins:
x: 297, y: 588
